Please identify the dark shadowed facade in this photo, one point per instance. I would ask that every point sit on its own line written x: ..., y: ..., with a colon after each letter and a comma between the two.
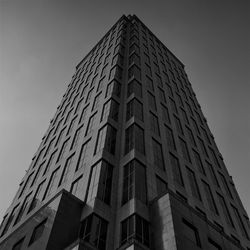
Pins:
x: 128, y: 160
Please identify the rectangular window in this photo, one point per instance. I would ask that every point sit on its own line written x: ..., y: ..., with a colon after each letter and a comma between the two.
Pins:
x: 225, y: 210
x: 23, y: 208
x: 100, y: 84
x: 170, y: 138
x: 76, y: 138
x: 178, y: 125
x: 134, y: 58
x: 116, y: 72
x: 240, y: 222
x: 94, y: 230
x: 134, y: 108
x: 89, y: 95
x: 76, y: 185
x: 162, y: 95
x: 91, y: 124
x: 106, y: 139
x: 193, y: 184
x: 215, y: 160
x: 52, y: 183
x: 149, y: 84
x: 66, y: 171
x: 198, y: 162
x: 26, y: 185
x: 210, y: 198
x: 83, y: 156
x: 104, y: 70
x: 158, y: 155
x: 180, y: 102
x: 195, y: 126
x: 37, y: 200
x: 161, y: 186
x: 191, y: 232
x: 184, y: 150
x: 148, y: 70
x: 203, y: 147
x: 154, y: 125
x: 72, y: 124
x: 114, y: 88
x: 134, y: 182
x: 51, y: 160
x: 176, y: 170
x: 67, y: 117
x: 135, y: 72
x: 134, y: 87
x: 173, y: 106
x: 151, y: 101
x: 184, y: 116
x: 38, y: 173
x: 83, y: 114
x: 134, y: 139
x: 49, y: 146
x: 110, y: 109
x: 165, y: 114
x: 60, y: 136
x: 96, y: 102
x: 212, y: 174
x: 191, y: 136
x: 169, y: 90
x: 37, y: 232
x: 225, y: 185
x: 135, y: 228
x: 205, y: 135
x: 63, y: 150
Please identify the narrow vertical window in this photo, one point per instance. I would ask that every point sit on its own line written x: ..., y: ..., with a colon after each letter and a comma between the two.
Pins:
x: 161, y: 186
x: 83, y: 155
x: 176, y: 170
x: 63, y: 150
x: 170, y: 138
x: 158, y: 155
x: 154, y: 125
x: 165, y: 114
x: 184, y: 150
x: 151, y: 101
x: 51, y: 160
x: 134, y: 108
x: 225, y: 185
x: 52, y: 183
x: 193, y: 184
x: 198, y: 162
x: 210, y: 198
x: 191, y: 232
x: 37, y: 199
x: 178, y: 125
x: 75, y: 187
x: 91, y: 124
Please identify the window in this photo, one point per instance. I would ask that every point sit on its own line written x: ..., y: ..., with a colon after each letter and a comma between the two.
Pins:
x: 118, y: 59
x: 76, y: 137
x: 75, y: 187
x: 198, y: 162
x: 212, y: 174
x: 210, y: 198
x: 37, y: 200
x: 193, y: 184
x: 100, y: 183
x: 94, y: 230
x: 213, y: 245
x: 180, y: 102
x: 23, y: 208
x: 18, y: 245
x: 135, y: 72
x: 134, y: 108
x: 205, y: 135
x: 38, y: 232
x: 158, y: 78
x: 176, y: 170
x: 134, y: 139
x: 66, y: 171
x: 240, y: 222
x: 178, y: 125
x: 106, y: 139
x: 100, y: 84
x: 134, y: 58
x: 225, y: 185
x: 191, y: 136
x: 203, y: 147
x: 83, y: 155
x: 195, y: 126
x: 170, y: 138
x: 96, y: 102
x: 191, y: 232
x: 67, y: 117
x: 135, y: 228
x: 173, y: 106
x: 184, y: 150
x: 149, y: 84
x: 60, y: 136
x: 116, y: 72
x: 52, y: 183
x: 165, y: 114
x: 104, y: 70
x: 162, y: 95
x: 184, y: 116
x: 134, y: 87
x: 91, y: 124
x: 110, y: 109
x: 170, y: 91
x: 134, y: 182
x: 71, y: 126
x: 154, y: 125
x: 26, y: 185
x: 51, y: 160
x: 83, y: 114
x: 114, y: 87
x: 89, y: 95
x: 38, y: 173
x: 215, y: 160
x: 225, y: 210
x: 63, y: 150
x: 39, y: 157
x: 158, y: 156
x: 148, y: 70
x: 161, y: 186
x: 49, y: 146
x: 151, y: 101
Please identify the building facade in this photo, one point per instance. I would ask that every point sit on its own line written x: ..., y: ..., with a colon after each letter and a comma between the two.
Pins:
x: 128, y: 160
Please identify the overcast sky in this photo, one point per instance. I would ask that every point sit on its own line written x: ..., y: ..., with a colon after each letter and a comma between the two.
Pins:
x: 41, y: 42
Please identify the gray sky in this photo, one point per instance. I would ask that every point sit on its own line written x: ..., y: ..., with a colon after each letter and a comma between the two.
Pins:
x: 41, y: 42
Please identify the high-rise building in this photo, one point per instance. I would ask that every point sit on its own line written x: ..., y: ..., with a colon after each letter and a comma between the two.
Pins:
x: 128, y: 160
